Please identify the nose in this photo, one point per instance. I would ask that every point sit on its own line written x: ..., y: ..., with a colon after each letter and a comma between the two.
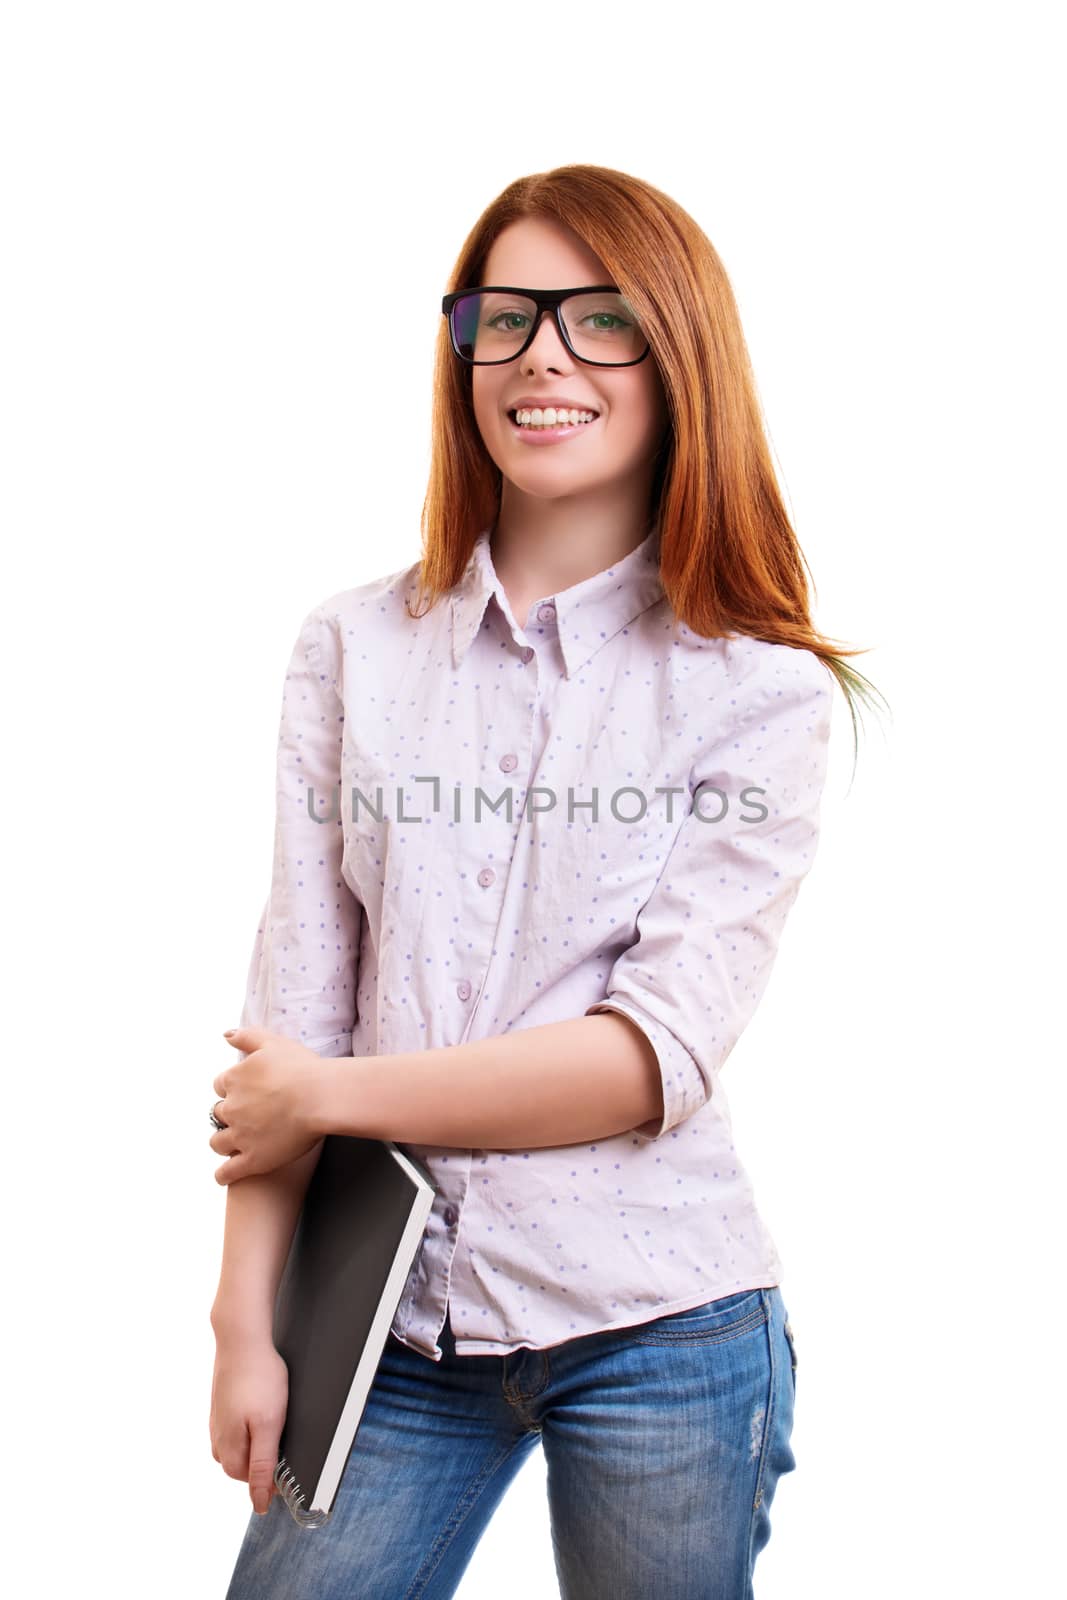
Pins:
x: 546, y: 345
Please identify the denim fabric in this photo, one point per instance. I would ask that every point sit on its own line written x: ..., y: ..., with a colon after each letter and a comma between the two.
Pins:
x: 663, y: 1442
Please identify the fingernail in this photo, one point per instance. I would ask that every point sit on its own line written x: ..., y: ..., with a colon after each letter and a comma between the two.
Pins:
x: 226, y: 1032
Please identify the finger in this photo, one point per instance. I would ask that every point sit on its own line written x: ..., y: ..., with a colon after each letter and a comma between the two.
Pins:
x: 262, y: 1460
x: 233, y: 1169
x: 219, y: 1083
x: 246, y: 1038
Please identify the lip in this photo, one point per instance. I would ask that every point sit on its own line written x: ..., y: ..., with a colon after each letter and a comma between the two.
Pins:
x: 535, y: 436
x: 526, y: 402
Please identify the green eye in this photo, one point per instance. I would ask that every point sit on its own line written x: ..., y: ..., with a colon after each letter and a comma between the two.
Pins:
x: 595, y: 322
x: 508, y: 321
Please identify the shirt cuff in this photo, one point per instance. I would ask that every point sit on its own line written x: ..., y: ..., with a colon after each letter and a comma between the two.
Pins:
x: 684, y: 1087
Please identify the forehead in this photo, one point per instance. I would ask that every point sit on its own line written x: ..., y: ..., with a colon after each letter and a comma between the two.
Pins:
x: 540, y: 253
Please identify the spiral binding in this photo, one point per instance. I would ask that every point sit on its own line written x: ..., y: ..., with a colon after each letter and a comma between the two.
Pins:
x: 293, y: 1495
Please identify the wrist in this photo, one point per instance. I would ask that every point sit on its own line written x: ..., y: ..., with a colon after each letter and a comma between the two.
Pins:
x: 345, y: 1098
x: 320, y: 1106
x: 237, y: 1329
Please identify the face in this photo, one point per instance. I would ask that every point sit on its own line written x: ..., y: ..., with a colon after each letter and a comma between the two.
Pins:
x: 619, y: 446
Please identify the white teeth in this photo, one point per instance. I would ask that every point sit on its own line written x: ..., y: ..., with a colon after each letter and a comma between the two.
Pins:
x: 551, y: 417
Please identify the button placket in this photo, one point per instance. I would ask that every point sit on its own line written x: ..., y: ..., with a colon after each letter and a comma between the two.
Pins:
x: 437, y: 1252
x: 515, y: 728
x: 483, y: 909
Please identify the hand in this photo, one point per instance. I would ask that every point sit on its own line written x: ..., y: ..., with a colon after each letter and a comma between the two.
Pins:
x: 249, y: 1400
x: 268, y: 1104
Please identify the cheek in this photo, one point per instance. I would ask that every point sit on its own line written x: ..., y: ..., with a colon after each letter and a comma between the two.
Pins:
x: 639, y: 422
x: 485, y: 400
x: 653, y: 401
x: 639, y: 405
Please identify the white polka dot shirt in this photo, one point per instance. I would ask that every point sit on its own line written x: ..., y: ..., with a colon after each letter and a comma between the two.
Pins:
x: 524, y: 823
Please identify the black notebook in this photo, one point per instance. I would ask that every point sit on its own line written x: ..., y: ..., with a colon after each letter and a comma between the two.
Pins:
x: 357, y: 1235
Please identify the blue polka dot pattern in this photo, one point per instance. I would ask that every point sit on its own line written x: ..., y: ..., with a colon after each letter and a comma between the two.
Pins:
x: 513, y: 824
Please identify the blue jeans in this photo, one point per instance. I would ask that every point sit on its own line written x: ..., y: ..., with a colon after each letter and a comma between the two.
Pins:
x: 663, y: 1445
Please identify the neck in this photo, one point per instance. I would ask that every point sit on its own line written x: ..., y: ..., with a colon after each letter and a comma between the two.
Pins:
x: 542, y: 546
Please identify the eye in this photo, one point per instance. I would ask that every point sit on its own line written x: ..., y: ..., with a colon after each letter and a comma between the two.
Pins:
x: 508, y: 321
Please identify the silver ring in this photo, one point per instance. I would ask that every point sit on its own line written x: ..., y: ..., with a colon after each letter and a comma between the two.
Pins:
x: 214, y: 1119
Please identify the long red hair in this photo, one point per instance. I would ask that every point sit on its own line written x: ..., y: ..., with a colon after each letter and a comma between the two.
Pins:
x: 730, y: 561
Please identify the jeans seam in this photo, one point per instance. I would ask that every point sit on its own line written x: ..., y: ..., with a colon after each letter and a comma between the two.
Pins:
x: 439, y: 1548
x: 519, y: 1397
x: 751, y: 1320
x: 768, y: 1434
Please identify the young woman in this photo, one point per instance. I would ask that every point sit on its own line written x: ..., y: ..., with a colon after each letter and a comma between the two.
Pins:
x: 601, y: 749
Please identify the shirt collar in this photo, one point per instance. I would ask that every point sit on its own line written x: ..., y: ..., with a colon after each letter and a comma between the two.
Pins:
x: 588, y: 614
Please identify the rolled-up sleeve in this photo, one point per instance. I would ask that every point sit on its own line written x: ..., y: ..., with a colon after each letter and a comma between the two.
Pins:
x: 709, y: 932
x: 302, y: 976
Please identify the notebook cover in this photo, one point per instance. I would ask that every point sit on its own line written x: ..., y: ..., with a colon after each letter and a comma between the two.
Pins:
x: 357, y: 1235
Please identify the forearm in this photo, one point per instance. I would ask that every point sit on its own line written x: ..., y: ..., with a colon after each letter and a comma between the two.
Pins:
x: 261, y: 1214
x: 563, y: 1083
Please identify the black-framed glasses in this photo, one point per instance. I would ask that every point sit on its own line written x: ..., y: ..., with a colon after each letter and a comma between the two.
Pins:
x: 496, y: 323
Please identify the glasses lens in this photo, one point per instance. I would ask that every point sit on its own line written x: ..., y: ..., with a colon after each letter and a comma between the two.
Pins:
x: 491, y: 327
x: 603, y: 327
x: 494, y: 326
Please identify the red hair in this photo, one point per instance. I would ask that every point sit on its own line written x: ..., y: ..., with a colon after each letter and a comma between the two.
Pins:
x: 730, y: 561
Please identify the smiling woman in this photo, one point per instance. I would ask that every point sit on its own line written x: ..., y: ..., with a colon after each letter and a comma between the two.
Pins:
x: 537, y: 994
x: 573, y: 350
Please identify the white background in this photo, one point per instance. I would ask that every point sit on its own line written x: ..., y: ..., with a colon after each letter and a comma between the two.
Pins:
x: 227, y: 229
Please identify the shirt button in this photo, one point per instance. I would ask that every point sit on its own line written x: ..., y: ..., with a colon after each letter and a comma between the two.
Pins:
x: 463, y: 989
x: 508, y: 763
x: 546, y: 612
x: 451, y: 1216
x: 527, y: 654
x: 486, y: 876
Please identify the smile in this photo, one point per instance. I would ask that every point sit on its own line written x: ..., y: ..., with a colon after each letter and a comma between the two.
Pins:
x: 560, y: 424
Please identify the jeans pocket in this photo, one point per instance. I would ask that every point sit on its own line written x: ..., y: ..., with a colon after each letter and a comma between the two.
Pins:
x: 723, y: 1318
